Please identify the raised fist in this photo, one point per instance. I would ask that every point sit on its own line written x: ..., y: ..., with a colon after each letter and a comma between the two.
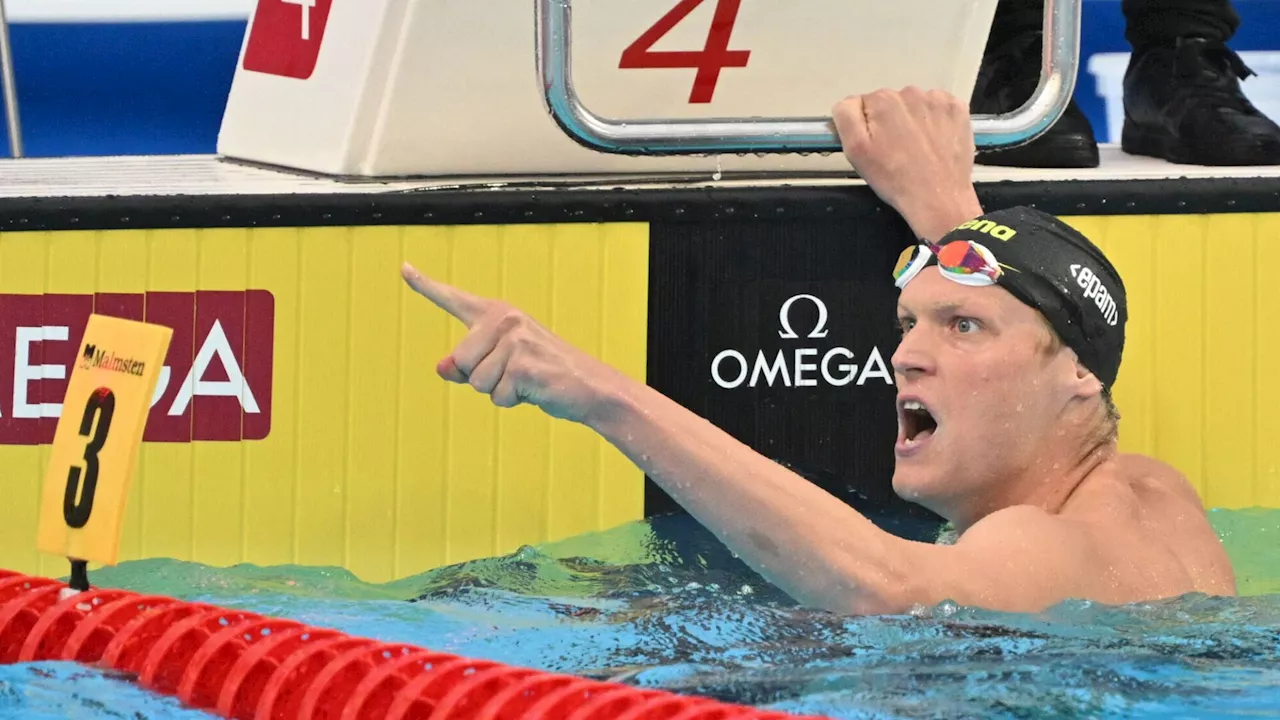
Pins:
x: 915, y: 149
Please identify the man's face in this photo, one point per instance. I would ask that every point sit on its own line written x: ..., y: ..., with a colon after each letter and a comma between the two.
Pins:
x: 978, y: 395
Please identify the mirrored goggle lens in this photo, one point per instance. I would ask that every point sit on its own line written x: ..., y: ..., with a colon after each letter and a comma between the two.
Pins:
x: 968, y: 262
x: 910, y: 263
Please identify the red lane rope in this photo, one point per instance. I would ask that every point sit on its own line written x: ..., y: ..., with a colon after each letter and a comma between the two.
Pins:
x: 248, y: 679
x: 243, y: 665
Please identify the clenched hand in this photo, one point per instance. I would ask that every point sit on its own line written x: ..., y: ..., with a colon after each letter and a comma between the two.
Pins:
x: 915, y: 149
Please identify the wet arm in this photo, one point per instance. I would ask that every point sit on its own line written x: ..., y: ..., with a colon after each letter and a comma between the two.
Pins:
x: 936, y: 211
x: 796, y: 535
x: 1019, y: 559
x: 821, y: 551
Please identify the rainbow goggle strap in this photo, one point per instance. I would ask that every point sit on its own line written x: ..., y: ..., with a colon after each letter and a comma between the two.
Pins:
x: 964, y: 261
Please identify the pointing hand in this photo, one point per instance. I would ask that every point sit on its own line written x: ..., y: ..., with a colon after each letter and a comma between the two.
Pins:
x: 512, y: 358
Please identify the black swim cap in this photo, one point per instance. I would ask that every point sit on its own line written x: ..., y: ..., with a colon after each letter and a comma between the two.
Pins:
x: 1051, y: 267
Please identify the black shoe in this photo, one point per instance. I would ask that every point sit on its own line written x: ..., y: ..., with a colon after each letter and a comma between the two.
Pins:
x: 1184, y: 104
x: 1009, y: 75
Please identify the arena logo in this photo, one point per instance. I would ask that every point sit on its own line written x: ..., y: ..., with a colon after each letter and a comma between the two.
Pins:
x: 988, y: 227
x: 799, y: 366
x: 215, y: 383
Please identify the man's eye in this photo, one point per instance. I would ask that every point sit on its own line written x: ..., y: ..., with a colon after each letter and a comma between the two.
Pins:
x: 905, y: 324
x: 967, y: 325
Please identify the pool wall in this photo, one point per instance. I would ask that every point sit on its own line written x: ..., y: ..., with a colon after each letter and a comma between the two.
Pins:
x: 769, y: 310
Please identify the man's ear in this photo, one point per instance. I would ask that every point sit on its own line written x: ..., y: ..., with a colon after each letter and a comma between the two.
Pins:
x: 1086, y: 384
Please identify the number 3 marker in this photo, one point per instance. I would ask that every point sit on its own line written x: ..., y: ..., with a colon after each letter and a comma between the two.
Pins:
x: 91, y: 463
x: 102, y: 405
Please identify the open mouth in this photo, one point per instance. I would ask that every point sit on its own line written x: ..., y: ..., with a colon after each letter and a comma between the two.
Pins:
x: 917, y: 422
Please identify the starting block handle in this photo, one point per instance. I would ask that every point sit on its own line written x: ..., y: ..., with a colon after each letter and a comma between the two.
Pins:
x: 1059, y: 66
x: 10, y: 88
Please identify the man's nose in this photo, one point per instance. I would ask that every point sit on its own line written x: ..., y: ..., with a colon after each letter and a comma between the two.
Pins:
x: 913, y: 356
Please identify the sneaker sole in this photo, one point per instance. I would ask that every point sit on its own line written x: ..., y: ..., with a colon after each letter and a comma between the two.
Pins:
x: 1046, y: 151
x: 1159, y: 143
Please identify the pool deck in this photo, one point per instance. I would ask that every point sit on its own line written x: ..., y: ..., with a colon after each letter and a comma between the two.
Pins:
x: 210, y: 175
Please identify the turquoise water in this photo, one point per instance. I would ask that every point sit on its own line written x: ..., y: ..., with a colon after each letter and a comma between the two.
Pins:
x: 663, y: 604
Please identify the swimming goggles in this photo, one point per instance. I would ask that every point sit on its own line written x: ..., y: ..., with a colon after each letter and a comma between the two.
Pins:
x: 964, y: 261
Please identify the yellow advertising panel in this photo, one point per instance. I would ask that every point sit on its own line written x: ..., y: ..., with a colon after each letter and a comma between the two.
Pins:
x: 95, y: 446
x: 297, y: 417
x: 1197, y: 382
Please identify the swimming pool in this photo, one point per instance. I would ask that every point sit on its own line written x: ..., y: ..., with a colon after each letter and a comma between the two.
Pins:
x: 662, y: 604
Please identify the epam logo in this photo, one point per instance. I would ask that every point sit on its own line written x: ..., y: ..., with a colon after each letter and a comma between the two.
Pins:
x: 1097, y: 292
x: 215, y: 383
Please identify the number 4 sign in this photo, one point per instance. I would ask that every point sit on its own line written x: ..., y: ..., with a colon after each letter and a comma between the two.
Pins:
x: 96, y: 443
x: 286, y: 36
x: 714, y: 56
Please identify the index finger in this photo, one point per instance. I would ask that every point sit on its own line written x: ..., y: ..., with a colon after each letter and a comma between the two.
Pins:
x: 458, y: 303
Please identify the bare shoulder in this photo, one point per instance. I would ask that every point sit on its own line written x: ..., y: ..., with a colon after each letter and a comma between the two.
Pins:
x: 1013, y: 517
x: 1024, y: 524
x: 1021, y: 559
x: 1145, y: 473
x: 1134, y: 530
x: 1032, y: 531
x: 1148, y: 513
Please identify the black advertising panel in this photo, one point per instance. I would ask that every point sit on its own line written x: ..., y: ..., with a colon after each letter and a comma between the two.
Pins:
x: 782, y: 333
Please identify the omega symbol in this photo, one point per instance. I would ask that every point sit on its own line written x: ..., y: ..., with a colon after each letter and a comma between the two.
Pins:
x: 784, y: 318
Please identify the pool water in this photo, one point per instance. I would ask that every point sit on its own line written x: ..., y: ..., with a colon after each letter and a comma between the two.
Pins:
x: 663, y: 604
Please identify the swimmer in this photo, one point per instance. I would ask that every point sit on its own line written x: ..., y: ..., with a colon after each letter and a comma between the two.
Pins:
x: 1012, y: 332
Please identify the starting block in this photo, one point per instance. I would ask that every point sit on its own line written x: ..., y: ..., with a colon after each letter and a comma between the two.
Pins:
x: 387, y: 88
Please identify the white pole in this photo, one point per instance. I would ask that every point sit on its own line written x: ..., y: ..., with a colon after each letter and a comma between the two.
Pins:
x: 10, y: 88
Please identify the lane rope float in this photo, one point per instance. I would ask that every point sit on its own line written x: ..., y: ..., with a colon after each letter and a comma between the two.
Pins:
x: 239, y: 664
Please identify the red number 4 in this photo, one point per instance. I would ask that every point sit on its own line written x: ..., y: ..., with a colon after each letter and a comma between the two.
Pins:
x: 714, y: 56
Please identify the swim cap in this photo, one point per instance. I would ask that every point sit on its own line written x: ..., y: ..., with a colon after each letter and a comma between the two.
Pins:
x: 1051, y: 267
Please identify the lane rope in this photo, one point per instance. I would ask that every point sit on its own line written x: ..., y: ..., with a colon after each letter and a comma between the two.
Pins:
x: 240, y: 664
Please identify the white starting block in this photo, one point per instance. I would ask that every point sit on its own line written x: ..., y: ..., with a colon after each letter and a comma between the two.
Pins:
x: 378, y: 88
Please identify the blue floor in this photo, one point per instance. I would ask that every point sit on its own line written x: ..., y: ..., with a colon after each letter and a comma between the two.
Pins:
x: 129, y: 88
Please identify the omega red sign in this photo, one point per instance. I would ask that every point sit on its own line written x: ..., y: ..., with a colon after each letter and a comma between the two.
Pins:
x: 215, y: 383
